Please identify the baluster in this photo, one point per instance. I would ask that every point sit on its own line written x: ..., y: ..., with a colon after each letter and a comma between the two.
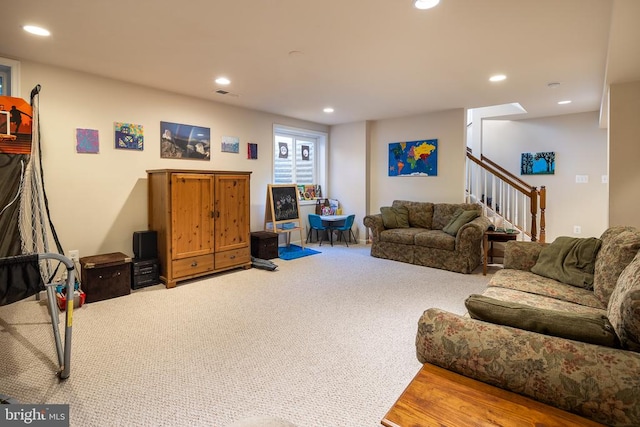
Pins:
x: 534, y: 214
x: 543, y: 207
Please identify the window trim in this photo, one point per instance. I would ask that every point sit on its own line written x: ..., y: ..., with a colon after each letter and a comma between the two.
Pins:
x: 14, y: 69
x: 321, y: 153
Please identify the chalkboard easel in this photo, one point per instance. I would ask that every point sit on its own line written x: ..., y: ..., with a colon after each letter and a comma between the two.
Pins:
x: 282, y: 214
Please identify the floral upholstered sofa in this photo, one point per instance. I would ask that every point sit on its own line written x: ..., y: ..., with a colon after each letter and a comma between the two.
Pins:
x: 574, y: 346
x: 440, y: 235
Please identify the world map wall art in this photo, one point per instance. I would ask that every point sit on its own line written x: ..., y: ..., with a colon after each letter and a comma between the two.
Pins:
x: 414, y: 158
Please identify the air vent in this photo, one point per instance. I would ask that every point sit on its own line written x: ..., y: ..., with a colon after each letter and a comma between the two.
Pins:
x: 224, y: 92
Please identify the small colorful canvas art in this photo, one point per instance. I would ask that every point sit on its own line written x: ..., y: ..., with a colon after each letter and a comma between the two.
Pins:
x: 414, y: 158
x: 252, y: 151
x: 230, y: 144
x: 129, y: 136
x: 543, y: 163
x: 87, y: 141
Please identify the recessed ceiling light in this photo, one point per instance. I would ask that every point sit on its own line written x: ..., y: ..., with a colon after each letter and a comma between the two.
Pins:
x: 223, y: 81
x: 425, y: 4
x: 564, y: 102
x: 328, y: 110
x: 38, y: 31
x: 497, y: 78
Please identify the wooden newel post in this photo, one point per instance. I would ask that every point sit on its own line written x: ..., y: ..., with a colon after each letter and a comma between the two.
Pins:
x: 534, y: 213
x: 543, y: 207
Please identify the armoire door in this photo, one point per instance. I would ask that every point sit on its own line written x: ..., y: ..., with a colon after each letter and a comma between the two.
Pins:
x: 191, y: 215
x: 231, y: 212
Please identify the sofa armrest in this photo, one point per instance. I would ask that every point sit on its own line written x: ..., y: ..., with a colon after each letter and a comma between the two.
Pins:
x: 374, y: 222
x: 469, y: 237
x: 520, y: 255
x: 596, y: 382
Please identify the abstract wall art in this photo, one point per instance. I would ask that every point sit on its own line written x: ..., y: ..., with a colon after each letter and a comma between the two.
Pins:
x: 87, y: 141
x: 129, y: 136
x: 230, y: 144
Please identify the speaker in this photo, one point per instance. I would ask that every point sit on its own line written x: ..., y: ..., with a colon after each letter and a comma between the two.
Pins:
x: 145, y: 244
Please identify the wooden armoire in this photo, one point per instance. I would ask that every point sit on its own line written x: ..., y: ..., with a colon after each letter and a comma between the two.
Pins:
x: 202, y: 221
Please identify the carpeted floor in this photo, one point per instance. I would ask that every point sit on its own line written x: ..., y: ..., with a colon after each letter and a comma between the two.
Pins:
x: 326, y: 340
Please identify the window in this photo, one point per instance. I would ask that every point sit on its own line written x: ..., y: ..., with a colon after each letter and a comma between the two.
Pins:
x: 9, y: 77
x: 299, y: 156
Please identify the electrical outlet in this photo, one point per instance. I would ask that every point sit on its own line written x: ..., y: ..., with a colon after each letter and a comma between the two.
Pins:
x: 582, y: 179
x: 605, y: 179
x: 577, y: 229
x: 74, y: 255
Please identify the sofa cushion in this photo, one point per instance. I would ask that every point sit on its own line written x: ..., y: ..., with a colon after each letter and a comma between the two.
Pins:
x: 569, y: 260
x: 590, y: 328
x: 624, y: 306
x: 405, y: 236
x: 619, y: 246
x: 443, y: 212
x: 395, y: 217
x: 521, y: 255
x: 540, y: 301
x: 459, y: 218
x: 420, y: 213
x: 531, y: 283
x: 435, y: 239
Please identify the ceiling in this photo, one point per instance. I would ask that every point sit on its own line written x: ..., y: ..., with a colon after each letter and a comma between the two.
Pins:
x: 368, y: 59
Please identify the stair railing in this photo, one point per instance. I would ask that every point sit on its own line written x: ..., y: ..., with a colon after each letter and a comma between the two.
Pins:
x: 507, y: 199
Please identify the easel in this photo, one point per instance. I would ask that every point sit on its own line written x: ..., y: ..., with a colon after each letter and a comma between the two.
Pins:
x: 282, y: 212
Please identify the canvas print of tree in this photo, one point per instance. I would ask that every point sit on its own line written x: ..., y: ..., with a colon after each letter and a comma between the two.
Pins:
x: 543, y: 163
x: 414, y: 158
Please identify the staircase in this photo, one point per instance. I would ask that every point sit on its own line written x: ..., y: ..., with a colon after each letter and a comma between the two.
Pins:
x: 507, y: 201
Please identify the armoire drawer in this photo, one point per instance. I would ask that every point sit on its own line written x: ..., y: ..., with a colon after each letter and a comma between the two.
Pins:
x: 193, y: 265
x: 231, y: 258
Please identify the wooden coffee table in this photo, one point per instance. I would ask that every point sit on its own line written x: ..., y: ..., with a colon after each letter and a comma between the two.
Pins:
x: 437, y: 397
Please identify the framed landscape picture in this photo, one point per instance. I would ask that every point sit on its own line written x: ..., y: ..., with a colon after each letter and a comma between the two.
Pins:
x: 543, y: 163
x: 180, y: 141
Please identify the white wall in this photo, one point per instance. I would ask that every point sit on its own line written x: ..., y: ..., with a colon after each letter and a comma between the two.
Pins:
x: 347, y: 166
x: 98, y: 200
x: 581, y: 149
x: 448, y: 127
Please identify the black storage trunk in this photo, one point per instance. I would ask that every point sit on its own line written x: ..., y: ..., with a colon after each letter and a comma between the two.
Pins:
x: 146, y: 272
x: 105, y: 276
x: 264, y: 244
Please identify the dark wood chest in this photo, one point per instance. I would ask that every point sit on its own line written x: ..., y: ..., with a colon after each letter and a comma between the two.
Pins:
x: 105, y: 276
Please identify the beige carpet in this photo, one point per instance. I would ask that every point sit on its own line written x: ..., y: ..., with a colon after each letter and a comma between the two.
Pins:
x: 326, y: 340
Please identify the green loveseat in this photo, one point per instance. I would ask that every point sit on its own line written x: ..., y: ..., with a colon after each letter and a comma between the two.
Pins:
x: 595, y: 373
x: 422, y: 240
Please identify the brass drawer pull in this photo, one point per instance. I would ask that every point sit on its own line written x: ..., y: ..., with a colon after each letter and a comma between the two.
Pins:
x: 194, y: 264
